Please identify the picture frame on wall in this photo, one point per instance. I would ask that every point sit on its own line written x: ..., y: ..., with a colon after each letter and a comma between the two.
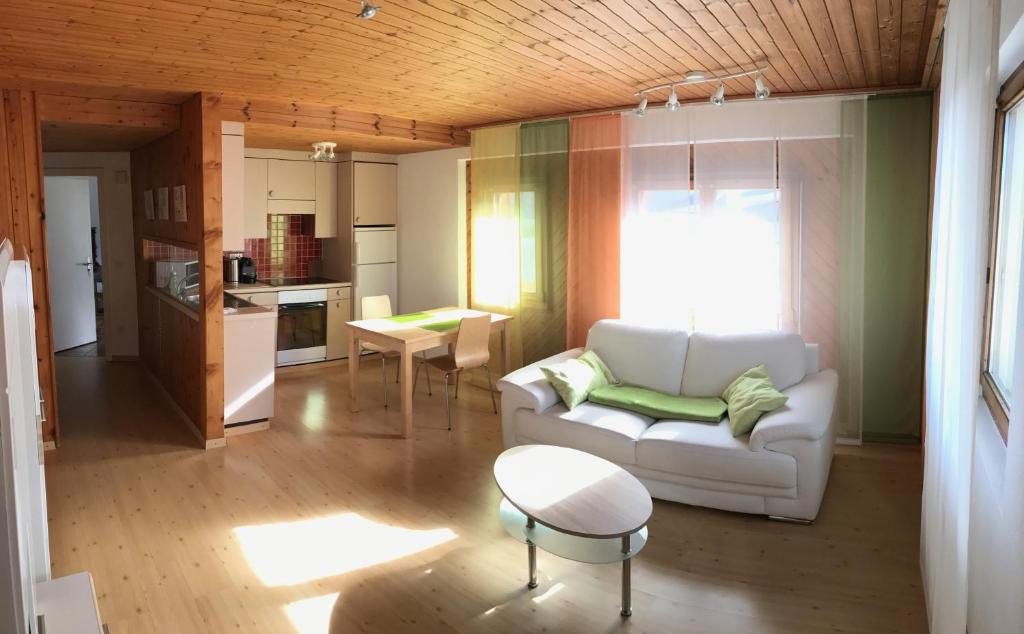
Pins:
x: 180, y: 212
x: 162, y: 206
x: 147, y: 202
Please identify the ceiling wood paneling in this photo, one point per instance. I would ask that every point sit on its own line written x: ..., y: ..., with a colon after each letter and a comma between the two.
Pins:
x: 463, y: 62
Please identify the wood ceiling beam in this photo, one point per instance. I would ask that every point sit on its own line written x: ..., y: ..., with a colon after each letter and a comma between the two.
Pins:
x: 331, y: 118
x: 108, y: 112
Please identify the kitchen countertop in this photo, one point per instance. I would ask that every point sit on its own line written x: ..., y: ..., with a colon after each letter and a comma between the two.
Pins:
x: 237, y: 306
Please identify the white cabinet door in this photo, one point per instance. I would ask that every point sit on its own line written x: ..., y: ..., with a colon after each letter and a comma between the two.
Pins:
x: 374, y: 279
x: 233, y: 191
x: 256, y: 198
x: 339, y: 311
x: 375, y: 195
x: 326, y: 200
x: 291, y: 180
x: 373, y: 246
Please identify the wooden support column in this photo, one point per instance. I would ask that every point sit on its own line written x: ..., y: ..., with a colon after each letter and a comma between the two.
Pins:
x: 211, y: 317
x: 23, y: 221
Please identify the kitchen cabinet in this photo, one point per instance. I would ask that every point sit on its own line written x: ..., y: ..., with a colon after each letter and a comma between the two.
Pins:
x: 326, y: 200
x: 339, y: 311
x: 291, y: 180
x: 255, y: 198
x: 374, y: 194
x: 233, y: 185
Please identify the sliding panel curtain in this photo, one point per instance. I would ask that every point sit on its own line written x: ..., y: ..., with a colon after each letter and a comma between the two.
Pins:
x: 821, y: 190
x: 494, y: 229
x: 955, y: 304
x: 658, y: 215
x: 735, y: 238
x: 595, y: 218
x: 543, y: 229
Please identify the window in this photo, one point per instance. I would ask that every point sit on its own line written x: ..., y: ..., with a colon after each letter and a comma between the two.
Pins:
x: 1005, y: 266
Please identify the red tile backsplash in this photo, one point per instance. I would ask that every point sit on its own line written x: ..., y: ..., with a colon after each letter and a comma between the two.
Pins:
x: 288, y: 249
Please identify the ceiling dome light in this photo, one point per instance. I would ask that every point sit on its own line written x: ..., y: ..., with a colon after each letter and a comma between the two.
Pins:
x: 641, y: 109
x: 673, y: 101
x: 761, y: 91
x: 718, y: 98
x: 695, y: 76
x: 367, y: 10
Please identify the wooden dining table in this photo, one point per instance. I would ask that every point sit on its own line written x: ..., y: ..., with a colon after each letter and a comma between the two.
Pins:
x: 409, y: 334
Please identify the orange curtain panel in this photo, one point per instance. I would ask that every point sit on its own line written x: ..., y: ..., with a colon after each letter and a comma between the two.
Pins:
x: 595, y: 218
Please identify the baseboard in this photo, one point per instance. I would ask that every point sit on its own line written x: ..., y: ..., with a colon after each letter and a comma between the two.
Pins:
x: 856, y: 442
x: 238, y: 429
x: 49, y: 445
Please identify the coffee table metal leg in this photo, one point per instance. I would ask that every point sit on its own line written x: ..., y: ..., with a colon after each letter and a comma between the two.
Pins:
x: 627, y: 607
x: 531, y: 552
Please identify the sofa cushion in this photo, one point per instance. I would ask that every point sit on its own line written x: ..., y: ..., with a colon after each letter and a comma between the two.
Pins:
x: 642, y: 355
x: 709, y: 451
x: 603, y: 431
x: 714, y: 361
x: 658, y: 404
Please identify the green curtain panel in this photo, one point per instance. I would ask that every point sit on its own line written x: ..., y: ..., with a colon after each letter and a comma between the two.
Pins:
x: 543, y: 236
x: 896, y: 264
x: 518, y: 232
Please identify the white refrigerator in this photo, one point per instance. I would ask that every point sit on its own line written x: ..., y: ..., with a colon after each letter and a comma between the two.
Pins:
x: 375, y: 266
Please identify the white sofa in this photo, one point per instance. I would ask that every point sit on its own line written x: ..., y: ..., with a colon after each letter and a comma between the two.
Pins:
x: 779, y: 469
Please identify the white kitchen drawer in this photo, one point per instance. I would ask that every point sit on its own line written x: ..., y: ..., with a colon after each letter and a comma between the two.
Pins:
x: 260, y: 299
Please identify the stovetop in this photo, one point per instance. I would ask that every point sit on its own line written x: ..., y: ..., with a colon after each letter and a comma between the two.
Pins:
x: 298, y: 281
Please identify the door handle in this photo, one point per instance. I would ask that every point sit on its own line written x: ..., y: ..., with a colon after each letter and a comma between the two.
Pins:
x: 87, y: 264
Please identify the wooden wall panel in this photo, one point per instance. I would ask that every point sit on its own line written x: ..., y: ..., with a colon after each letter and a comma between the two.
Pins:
x: 23, y: 221
x: 185, y: 354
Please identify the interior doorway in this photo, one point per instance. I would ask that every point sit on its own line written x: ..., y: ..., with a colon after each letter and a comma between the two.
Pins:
x: 75, y: 264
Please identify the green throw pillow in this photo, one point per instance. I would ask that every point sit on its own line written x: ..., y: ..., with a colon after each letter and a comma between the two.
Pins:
x: 574, y: 379
x: 749, y: 396
x: 658, y: 404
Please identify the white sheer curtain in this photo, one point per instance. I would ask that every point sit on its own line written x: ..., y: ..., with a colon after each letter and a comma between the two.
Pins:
x: 956, y: 293
x: 765, y: 232
x: 656, y: 257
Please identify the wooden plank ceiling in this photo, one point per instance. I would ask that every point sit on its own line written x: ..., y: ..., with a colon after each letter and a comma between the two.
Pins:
x: 464, y: 62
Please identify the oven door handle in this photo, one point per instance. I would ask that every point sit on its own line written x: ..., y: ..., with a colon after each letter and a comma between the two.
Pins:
x: 301, y: 306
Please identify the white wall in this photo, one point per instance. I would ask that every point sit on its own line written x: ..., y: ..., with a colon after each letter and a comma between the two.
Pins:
x: 120, y: 308
x: 431, y: 229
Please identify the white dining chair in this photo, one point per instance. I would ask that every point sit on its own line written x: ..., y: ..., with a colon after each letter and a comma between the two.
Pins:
x: 471, y: 350
x: 379, y: 307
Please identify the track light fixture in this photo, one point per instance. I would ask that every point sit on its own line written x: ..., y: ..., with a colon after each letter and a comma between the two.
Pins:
x: 718, y: 98
x: 367, y: 10
x: 641, y: 109
x: 761, y: 92
x: 673, y: 101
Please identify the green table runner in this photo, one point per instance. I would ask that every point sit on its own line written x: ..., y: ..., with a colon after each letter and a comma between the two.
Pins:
x: 443, y: 325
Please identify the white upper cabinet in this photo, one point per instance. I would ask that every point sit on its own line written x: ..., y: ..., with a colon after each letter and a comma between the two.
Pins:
x: 256, y: 197
x: 233, y: 185
x: 291, y: 180
x: 375, y: 194
x: 326, y: 200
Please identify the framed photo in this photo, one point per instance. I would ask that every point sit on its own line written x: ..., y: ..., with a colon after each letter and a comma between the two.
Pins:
x: 147, y: 200
x: 162, y: 208
x: 180, y: 213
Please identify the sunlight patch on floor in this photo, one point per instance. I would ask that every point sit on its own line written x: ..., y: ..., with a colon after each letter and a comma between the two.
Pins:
x: 312, y: 616
x: 289, y: 553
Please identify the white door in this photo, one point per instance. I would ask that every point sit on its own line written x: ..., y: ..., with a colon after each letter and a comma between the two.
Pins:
x: 69, y: 255
x: 374, y: 279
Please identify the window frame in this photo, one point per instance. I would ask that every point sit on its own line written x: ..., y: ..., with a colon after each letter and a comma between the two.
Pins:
x: 1011, y: 95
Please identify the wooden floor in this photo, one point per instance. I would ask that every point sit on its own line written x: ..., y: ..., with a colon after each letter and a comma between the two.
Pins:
x: 320, y: 525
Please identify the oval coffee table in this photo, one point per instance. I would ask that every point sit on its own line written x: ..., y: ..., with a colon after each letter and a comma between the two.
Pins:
x: 573, y: 505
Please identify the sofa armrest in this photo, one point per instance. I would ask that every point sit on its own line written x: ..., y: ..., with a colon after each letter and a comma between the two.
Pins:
x: 528, y: 386
x: 806, y: 416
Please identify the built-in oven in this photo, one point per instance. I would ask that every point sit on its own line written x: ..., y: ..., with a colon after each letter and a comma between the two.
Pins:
x: 301, y: 326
